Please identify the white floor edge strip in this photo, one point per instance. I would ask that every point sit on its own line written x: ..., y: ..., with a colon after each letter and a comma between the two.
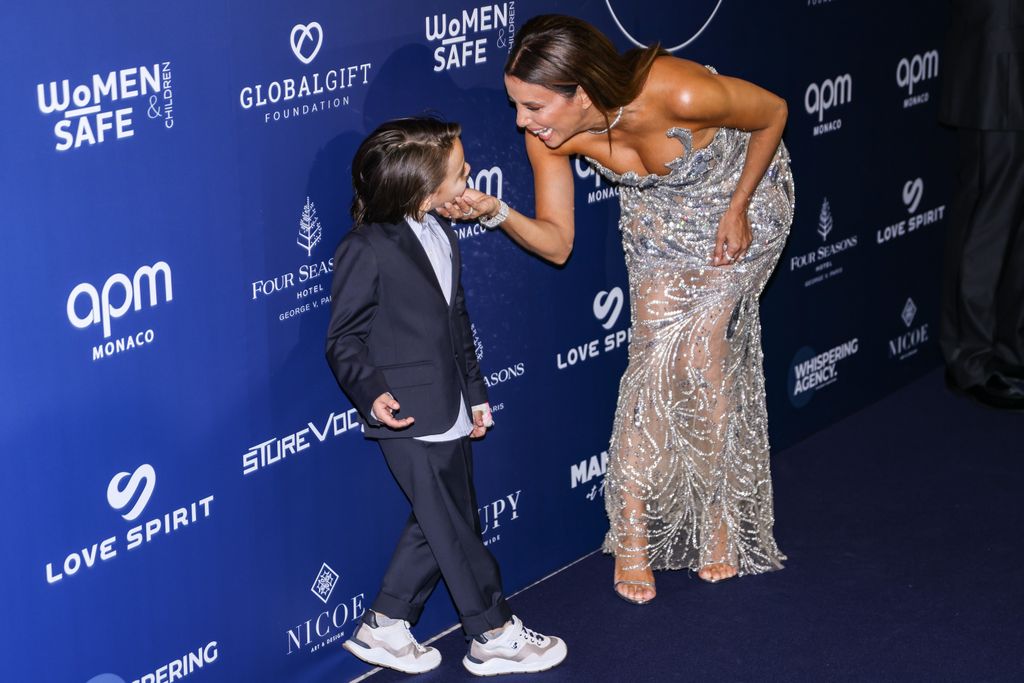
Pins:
x: 448, y: 630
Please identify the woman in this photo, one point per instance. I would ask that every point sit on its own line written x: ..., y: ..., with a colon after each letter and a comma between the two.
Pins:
x: 706, y: 195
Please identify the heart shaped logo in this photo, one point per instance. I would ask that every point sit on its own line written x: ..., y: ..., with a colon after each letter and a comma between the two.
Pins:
x: 608, y: 305
x: 302, y: 37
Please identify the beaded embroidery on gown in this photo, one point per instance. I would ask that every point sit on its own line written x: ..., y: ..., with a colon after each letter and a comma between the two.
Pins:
x: 688, y: 481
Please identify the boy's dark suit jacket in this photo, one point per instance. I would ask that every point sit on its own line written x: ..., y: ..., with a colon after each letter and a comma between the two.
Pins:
x: 392, y: 330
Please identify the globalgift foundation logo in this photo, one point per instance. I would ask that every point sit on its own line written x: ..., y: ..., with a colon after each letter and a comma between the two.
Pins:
x: 296, y: 96
x: 304, y: 45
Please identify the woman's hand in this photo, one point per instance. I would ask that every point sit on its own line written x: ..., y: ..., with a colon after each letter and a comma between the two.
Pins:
x: 470, y: 206
x: 734, y: 237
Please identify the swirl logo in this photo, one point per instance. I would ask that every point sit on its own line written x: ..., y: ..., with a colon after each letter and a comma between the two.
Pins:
x: 302, y: 37
x: 608, y: 306
x: 675, y: 32
x: 913, y: 190
x: 119, y: 498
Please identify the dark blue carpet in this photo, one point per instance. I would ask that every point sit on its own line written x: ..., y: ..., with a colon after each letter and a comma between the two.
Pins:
x: 903, y: 528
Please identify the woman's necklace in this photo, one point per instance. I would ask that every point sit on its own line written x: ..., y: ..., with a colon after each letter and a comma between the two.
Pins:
x: 613, y: 124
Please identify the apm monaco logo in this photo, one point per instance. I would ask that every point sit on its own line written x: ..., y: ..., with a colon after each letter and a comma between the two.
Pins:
x: 120, y: 494
x: 118, y: 296
x: 606, y: 308
x: 686, y: 25
x: 913, y: 192
x: 811, y: 372
x: 81, y: 107
x: 323, y: 585
x: 909, y: 342
x: 315, y: 633
x: 489, y: 181
x: 599, y: 194
x: 821, y: 98
x: 309, y: 282
x: 586, y: 471
x: 297, y: 96
x: 278, y: 449
x: 911, y: 72
x: 822, y: 261
x: 496, y: 513
x: 177, y: 669
x: 463, y: 37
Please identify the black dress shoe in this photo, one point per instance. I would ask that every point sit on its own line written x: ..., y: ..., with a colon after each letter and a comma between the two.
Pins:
x: 998, y: 393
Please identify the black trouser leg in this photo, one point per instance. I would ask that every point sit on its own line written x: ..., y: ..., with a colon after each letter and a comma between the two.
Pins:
x: 982, y: 306
x: 441, y: 537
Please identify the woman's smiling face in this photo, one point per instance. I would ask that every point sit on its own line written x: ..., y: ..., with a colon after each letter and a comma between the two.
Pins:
x: 545, y: 113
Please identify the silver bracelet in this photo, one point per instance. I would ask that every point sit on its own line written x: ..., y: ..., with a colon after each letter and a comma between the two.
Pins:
x: 498, y: 218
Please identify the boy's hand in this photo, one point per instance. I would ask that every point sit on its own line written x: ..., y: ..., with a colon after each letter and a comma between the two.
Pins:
x: 481, y: 420
x: 384, y: 410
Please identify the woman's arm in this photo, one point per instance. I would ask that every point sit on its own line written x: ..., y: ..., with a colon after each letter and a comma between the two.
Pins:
x: 550, y: 234
x: 715, y: 101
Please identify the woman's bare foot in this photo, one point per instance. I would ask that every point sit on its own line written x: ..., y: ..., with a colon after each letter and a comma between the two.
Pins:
x: 635, y: 585
x: 713, y: 573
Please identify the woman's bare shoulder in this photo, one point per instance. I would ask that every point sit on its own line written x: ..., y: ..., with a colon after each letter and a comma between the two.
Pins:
x: 681, y: 88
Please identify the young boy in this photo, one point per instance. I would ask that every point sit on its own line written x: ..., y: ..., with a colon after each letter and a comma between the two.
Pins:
x: 400, y: 346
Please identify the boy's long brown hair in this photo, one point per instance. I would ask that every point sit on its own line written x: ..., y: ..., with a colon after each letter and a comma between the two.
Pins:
x: 398, y: 166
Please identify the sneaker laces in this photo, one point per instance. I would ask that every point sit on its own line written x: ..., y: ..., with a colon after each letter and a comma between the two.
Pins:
x: 533, y: 636
x: 412, y: 638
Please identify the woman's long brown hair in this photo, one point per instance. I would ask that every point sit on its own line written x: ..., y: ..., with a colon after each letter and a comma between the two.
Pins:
x: 561, y: 52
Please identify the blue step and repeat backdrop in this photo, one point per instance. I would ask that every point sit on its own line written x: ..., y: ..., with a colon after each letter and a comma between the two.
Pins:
x: 186, y: 491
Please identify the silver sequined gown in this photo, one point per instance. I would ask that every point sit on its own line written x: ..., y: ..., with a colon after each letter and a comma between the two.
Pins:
x: 688, y: 481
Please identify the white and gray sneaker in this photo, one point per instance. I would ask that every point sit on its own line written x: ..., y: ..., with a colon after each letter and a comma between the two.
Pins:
x: 515, y: 650
x: 391, y: 646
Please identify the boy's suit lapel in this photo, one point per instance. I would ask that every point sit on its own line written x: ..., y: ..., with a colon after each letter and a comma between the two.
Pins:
x: 403, y: 235
x: 453, y: 240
